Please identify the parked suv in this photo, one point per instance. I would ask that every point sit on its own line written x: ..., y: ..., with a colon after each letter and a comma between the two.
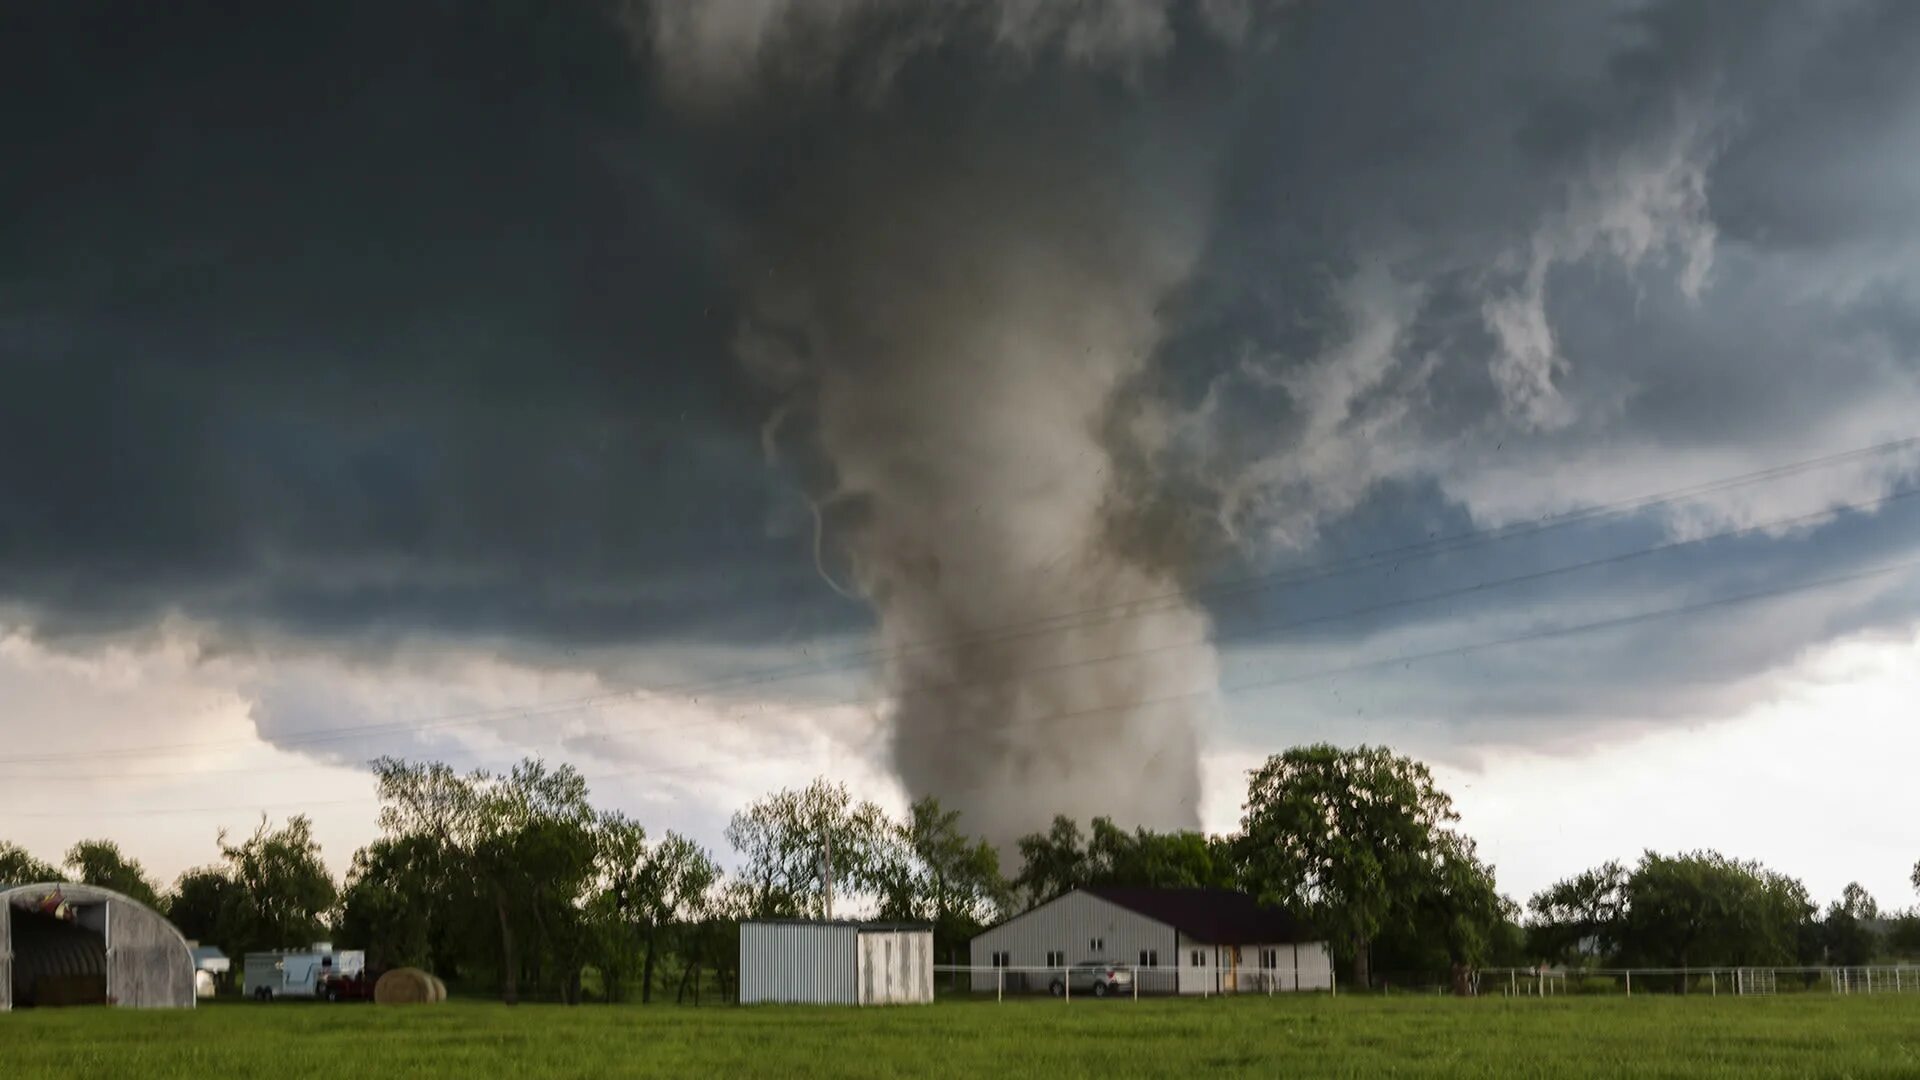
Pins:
x: 1096, y: 977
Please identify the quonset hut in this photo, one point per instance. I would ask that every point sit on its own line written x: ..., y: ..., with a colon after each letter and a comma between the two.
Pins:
x: 64, y: 944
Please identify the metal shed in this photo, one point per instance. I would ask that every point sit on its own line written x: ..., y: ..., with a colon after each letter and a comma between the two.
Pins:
x: 63, y: 944
x: 798, y: 961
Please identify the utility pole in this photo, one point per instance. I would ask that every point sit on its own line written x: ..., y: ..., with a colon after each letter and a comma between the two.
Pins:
x: 828, y: 869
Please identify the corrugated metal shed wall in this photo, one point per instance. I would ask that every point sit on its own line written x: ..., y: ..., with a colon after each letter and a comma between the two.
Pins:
x: 896, y: 967
x: 148, y: 964
x: 799, y: 963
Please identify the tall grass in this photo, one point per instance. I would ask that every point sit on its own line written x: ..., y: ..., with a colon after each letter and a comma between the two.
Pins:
x: 1313, y: 1036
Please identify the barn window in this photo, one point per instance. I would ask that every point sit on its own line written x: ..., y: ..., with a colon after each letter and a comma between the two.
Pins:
x: 1098, y: 945
x: 1199, y: 958
x: 1149, y: 958
x: 1270, y: 958
x: 1000, y: 960
x: 1056, y: 959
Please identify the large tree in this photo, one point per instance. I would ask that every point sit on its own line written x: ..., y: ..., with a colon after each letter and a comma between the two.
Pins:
x: 205, y: 904
x: 939, y: 874
x: 1171, y: 860
x: 1356, y: 840
x: 19, y: 867
x: 1702, y: 909
x: 99, y: 862
x: 1849, y: 933
x: 403, y: 898
x: 1052, y: 862
x: 1058, y: 860
x: 284, y: 891
x: 646, y: 893
x: 1698, y: 909
x: 784, y: 841
x: 1583, y: 915
x: 526, y: 840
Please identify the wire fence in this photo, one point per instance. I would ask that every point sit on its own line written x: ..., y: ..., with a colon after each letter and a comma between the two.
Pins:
x: 1713, y: 981
x: 1133, y: 981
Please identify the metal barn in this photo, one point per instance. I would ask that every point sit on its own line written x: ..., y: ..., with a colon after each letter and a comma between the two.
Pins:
x: 66, y: 944
x: 797, y: 961
x: 1175, y: 941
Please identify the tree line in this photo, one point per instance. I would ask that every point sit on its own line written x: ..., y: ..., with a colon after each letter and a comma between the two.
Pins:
x: 514, y: 882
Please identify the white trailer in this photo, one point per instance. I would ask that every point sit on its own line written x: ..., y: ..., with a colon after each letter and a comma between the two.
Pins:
x: 301, y: 973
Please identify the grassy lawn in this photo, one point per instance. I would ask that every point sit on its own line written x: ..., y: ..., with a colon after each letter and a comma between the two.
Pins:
x: 1800, y: 1035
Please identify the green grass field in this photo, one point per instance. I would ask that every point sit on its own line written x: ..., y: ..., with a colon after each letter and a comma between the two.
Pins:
x: 1803, y: 1035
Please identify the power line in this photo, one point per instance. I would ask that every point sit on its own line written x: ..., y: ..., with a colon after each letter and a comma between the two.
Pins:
x: 1552, y: 633
x: 1262, y: 629
x: 1014, y: 631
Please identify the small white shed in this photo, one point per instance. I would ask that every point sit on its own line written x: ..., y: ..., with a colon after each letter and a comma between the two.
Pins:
x: 812, y: 962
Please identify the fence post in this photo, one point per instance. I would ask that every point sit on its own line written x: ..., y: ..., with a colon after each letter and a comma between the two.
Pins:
x: 1713, y: 984
x: 1066, y: 983
x: 1629, y: 983
x: 1136, y: 984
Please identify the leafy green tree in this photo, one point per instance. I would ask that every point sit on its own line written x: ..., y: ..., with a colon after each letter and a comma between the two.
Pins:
x: 939, y: 874
x: 205, y: 905
x: 285, y: 893
x: 19, y: 867
x: 1052, y: 862
x: 99, y: 862
x: 404, y: 898
x: 1903, y: 934
x: 1848, y: 933
x: 1582, y: 915
x: 1703, y: 909
x: 526, y: 839
x: 1174, y: 860
x: 1460, y: 906
x: 648, y: 897
x: 784, y: 839
x: 1352, y: 839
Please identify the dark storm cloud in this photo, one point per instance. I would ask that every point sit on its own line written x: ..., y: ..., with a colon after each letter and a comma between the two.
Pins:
x: 343, y: 316
x: 324, y: 319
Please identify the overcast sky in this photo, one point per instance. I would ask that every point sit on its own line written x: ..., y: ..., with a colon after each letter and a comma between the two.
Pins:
x: 1046, y: 406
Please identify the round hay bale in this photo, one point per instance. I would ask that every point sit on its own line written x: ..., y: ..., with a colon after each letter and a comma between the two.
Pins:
x: 404, y: 986
x: 439, y: 988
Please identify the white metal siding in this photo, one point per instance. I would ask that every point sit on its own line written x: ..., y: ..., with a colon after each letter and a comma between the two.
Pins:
x: 1197, y: 962
x: 803, y: 963
x: 1071, y: 924
x: 896, y: 967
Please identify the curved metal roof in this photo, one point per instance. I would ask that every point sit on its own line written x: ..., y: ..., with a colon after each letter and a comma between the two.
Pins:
x: 42, y: 946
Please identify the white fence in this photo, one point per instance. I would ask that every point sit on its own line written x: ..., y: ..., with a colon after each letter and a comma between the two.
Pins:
x: 1740, y: 981
x: 1134, y: 980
